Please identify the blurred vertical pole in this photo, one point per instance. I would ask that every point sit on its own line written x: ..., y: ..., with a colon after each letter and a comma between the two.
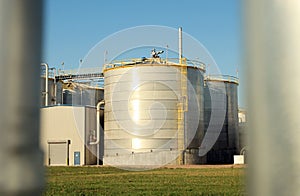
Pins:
x: 272, y: 32
x: 21, y: 167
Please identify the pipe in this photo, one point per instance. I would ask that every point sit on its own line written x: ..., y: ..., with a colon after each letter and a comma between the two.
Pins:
x: 272, y: 30
x: 46, y: 82
x: 98, y: 130
x: 55, y: 86
x: 180, y: 44
x: 98, y: 123
x: 21, y: 160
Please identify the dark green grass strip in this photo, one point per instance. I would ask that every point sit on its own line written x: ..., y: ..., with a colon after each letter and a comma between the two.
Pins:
x: 112, y: 181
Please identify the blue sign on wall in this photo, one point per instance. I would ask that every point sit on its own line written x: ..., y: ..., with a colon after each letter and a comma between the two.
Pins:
x: 76, y: 158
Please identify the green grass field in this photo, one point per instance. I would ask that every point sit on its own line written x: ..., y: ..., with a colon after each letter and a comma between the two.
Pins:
x: 165, y: 181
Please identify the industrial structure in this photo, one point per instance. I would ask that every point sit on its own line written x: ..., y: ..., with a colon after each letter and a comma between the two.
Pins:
x: 67, y: 132
x: 153, y: 111
x: 227, y: 144
x: 149, y: 114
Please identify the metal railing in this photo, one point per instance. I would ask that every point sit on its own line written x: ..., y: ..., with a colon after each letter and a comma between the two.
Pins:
x: 87, y: 70
x: 167, y: 61
x: 225, y: 78
x: 52, y: 72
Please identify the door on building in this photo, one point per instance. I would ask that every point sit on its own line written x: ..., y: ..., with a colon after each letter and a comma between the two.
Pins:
x: 58, y: 152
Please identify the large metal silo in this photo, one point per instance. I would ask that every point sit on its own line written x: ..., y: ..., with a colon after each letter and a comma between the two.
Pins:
x: 150, y: 113
x: 224, y: 88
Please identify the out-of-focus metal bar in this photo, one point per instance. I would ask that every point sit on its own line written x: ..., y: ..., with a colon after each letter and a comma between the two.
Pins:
x: 21, y: 167
x: 272, y: 31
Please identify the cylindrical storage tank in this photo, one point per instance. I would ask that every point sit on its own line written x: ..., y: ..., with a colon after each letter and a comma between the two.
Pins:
x: 152, y: 114
x: 84, y: 96
x: 227, y: 144
x: 54, y: 91
x: 67, y: 96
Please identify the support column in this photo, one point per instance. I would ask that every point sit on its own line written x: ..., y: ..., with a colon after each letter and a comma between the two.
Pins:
x: 272, y: 29
x: 21, y: 166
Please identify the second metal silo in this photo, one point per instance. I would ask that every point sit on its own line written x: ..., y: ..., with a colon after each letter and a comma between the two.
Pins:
x: 227, y: 143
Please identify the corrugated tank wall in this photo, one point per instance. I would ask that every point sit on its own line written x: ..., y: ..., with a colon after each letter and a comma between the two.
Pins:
x: 141, y: 115
x: 227, y: 143
x: 84, y: 97
x: 150, y: 111
x: 196, y: 80
x: 54, y: 94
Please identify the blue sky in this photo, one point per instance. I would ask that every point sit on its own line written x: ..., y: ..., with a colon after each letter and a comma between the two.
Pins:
x: 73, y: 27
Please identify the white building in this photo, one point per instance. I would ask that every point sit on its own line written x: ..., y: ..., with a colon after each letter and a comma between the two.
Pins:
x: 66, y: 133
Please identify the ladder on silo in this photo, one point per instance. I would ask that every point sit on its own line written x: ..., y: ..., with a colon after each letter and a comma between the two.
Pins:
x: 182, y: 108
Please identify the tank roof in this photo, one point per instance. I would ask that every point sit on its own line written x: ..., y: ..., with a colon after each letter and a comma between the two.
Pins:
x: 157, y: 61
x: 222, y: 78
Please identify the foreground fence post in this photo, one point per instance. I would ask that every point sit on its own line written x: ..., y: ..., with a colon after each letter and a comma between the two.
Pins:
x: 272, y: 29
x: 21, y: 168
